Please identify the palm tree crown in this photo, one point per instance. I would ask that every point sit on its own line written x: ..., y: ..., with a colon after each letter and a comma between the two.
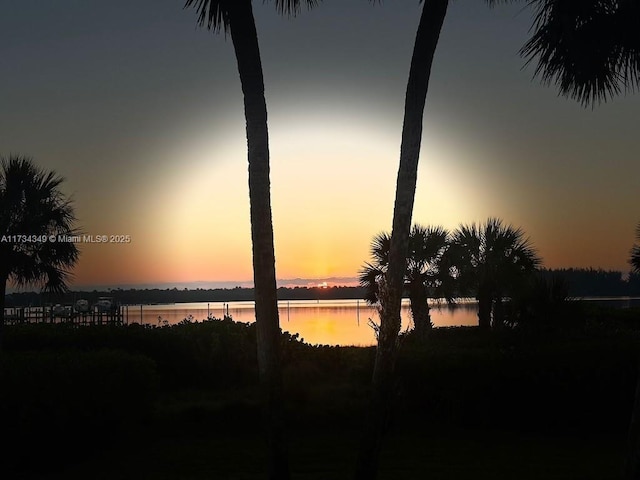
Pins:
x: 426, y: 247
x: 490, y: 259
x: 32, y: 204
x: 33, y: 212
x: 215, y: 14
x: 590, y: 48
x: 423, y: 276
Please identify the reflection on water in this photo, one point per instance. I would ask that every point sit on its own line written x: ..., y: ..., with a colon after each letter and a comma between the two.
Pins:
x: 325, y: 322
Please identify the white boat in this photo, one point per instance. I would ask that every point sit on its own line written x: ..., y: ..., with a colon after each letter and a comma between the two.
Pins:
x: 82, y: 306
x: 104, y: 304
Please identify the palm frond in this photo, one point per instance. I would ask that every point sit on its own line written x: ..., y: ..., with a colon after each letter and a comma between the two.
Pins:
x: 213, y: 14
x: 380, y: 247
x: 493, y: 3
x: 427, y: 246
x: 589, y: 48
x: 492, y: 255
x: 368, y: 278
x: 634, y: 260
x: 216, y: 15
x: 31, y: 203
x: 293, y: 7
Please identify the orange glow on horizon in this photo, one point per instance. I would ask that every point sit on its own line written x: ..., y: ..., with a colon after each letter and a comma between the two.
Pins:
x: 191, y: 223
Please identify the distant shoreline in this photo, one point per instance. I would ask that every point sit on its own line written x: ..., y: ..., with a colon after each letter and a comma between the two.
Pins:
x: 581, y: 282
x: 173, y: 295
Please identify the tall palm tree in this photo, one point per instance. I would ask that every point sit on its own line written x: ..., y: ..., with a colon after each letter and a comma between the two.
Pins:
x: 236, y: 17
x: 491, y: 259
x: 33, y: 212
x: 589, y: 48
x: 391, y: 286
x: 423, y: 276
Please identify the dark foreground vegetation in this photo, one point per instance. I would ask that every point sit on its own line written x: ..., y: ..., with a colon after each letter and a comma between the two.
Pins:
x: 181, y: 402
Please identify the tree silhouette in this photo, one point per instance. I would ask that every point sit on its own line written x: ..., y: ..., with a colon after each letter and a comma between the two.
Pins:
x: 391, y: 286
x: 33, y: 212
x: 236, y: 17
x: 423, y: 277
x: 541, y: 302
x: 491, y: 260
x: 589, y: 48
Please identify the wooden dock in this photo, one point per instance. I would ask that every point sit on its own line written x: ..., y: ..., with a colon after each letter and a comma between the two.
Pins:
x: 50, y: 314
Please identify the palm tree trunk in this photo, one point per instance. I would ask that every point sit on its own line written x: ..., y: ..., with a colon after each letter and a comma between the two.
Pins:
x: 419, y: 308
x: 484, y: 310
x: 431, y: 20
x: 245, y: 42
x: 498, y: 313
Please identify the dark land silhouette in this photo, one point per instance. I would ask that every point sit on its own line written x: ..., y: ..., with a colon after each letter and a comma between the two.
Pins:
x: 174, y: 295
x: 183, y: 401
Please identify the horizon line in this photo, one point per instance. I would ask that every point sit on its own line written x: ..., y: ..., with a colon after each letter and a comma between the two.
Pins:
x: 207, y: 285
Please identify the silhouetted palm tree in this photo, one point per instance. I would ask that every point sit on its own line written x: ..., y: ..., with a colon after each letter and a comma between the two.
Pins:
x: 589, y: 48
x: 33, y: 212
x: 491, y: 259
x: 236, y: 17
x: 542, y: 301
x: 391, y: 286
x: 423, y: 277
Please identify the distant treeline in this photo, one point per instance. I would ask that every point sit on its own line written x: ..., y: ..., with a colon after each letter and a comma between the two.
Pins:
x: 582, y: 283
x: 597, y: 282
x: 155, y: 295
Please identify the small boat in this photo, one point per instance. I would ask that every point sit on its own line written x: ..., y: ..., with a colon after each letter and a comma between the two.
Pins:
x: 81, y: 306
x: 104, y: 304
x: 62, y: 310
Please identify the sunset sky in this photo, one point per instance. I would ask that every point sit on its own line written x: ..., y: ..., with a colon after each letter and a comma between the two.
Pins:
x: 142, y: 113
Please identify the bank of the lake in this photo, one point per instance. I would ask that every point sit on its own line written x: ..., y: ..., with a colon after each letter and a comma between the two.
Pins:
x: 326, y: 322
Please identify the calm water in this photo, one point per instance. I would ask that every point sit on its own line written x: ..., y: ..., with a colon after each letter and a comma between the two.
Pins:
x: 330, y: 322
x: 325, y: 322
